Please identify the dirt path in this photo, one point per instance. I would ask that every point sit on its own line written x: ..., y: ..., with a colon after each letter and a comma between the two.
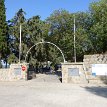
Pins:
x: 47, y: 78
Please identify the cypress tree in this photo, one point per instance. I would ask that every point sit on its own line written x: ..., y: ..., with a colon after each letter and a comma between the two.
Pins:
x: 3, y: 30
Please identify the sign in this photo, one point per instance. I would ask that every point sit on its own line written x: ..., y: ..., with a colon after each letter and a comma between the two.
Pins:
x: 23, y: 68
x: 99, y: 69
x: 73, y: 71
x: 17, y: 71
x: 94, y: 74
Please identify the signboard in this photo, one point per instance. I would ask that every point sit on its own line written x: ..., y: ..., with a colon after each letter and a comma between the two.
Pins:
x: 73, y: 71
x: 23, y: 68
x: 99, y: 69
x: 17, y: 71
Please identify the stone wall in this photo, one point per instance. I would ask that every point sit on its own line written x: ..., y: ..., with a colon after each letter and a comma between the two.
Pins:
x: 94, y: 59
x: 73, y: 78
x: 85, y: 70
x: 4, y: 74
x: 13, y: 73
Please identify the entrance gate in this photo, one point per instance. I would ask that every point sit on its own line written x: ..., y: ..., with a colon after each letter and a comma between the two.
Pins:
x: 38, y: 44
x: 44, y: 42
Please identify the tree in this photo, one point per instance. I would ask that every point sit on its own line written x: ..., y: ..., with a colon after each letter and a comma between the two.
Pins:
x: 61, y: 32
x: 14, y: 29
x: 83, y: 42
x: 3, y: 30
x: 91, y: 34
x: 33, y: 30
x: 98, y: 30
x: 37, y: 32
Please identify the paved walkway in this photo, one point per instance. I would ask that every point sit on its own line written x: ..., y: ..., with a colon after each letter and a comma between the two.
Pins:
x: 35, y: 93
x: 47, y: 78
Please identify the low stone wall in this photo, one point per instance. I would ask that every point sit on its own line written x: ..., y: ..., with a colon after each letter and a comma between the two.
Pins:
x: 4, y: 74
x: 85, y: 70
x: 13, y: 73
x: 94, y: 59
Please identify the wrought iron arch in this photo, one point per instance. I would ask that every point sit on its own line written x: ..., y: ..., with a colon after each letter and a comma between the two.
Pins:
x: 46, y: 43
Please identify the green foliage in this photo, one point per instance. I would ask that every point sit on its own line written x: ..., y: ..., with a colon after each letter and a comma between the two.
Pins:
x: 14, y: 34
x: 3, y: 30
x: 61, y: 31
x: 58, y: 28
x: 12, y: 59
x: 98, y: 30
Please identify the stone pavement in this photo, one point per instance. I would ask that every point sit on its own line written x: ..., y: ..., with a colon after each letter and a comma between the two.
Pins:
x: 35, y: 93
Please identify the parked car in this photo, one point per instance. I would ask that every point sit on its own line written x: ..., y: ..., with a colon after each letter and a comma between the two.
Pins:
x: 57, y: 67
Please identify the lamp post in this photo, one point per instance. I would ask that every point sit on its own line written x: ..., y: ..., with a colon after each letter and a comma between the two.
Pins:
x: 74, y: 41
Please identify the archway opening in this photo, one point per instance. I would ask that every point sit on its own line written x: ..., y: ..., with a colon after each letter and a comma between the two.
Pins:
x: 44, y: 65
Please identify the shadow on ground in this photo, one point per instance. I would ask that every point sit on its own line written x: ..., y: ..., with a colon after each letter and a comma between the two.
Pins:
x: 103, y: 79
x: 98, y: 90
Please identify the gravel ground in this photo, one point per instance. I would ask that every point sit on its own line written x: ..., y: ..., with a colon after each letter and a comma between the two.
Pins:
x: 40, y: 93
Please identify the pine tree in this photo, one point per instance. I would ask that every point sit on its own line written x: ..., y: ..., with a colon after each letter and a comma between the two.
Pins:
x: 3, y: 30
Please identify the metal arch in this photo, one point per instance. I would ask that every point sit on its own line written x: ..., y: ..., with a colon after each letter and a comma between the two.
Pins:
x: 47, y: 43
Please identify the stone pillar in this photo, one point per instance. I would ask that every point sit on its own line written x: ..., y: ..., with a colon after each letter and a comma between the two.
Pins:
x: 64, y: 73
x: 73, y: 73
x: 18, y: 71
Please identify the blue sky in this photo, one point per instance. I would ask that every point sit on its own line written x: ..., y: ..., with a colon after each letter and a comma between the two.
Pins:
x: 44, y: 7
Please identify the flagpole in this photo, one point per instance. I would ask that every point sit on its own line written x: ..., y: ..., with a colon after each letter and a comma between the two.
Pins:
x: 20, y: 45
x: 74, y: 41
